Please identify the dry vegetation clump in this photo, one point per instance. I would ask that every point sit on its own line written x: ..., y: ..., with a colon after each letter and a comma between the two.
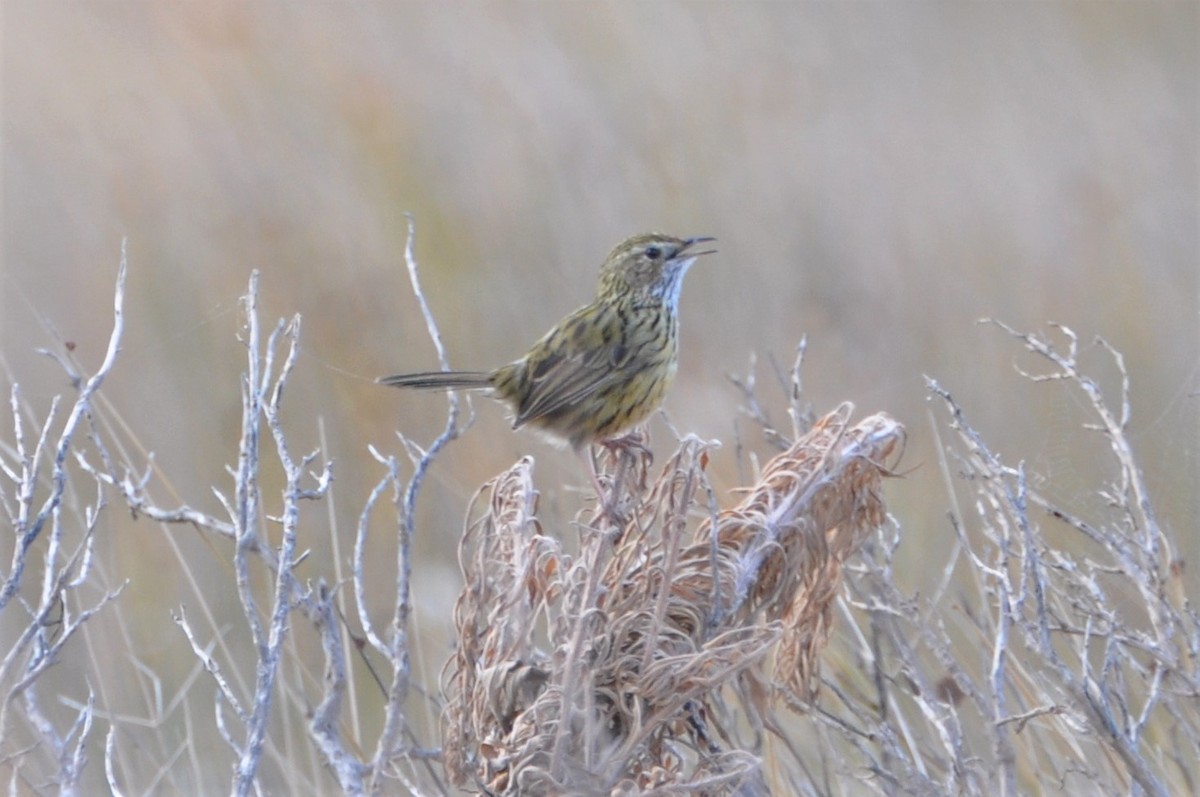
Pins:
x: 633, y: 664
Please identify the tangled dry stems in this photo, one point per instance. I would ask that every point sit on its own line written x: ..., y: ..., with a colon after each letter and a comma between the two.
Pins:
x: 1056, y: 655
x: 628, y: 665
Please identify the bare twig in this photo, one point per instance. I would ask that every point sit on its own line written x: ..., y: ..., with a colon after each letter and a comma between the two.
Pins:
x: 396, y: 648
x: 57, y: 610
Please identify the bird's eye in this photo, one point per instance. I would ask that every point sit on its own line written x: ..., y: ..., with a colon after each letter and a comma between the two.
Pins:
x: 653, y: 252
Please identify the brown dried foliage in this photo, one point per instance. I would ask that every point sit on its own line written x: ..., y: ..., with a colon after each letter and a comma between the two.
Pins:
x: 632, y: 666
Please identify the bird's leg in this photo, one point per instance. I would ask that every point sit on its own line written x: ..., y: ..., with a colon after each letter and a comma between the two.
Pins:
x: 630, y: 442
x: 607, y: 501
x: 625, y: 451
x: 589, y: 462
x: 604, y: 508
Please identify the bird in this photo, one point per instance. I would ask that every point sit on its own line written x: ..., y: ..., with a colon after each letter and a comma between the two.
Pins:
x: 603, y: 369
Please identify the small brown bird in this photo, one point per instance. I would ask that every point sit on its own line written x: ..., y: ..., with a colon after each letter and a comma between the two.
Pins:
x: 604, y: 368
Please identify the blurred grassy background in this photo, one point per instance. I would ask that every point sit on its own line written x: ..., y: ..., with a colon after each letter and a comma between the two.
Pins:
x: 878, y: 175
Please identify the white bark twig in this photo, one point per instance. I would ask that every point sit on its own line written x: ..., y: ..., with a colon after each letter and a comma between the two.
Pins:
x: 396, y: 648
x: 56, y: 612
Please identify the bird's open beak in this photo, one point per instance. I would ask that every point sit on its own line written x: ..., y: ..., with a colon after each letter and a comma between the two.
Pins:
x: 690, y: 242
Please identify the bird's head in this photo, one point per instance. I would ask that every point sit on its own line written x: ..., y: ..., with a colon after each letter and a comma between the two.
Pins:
x: 650, y: 267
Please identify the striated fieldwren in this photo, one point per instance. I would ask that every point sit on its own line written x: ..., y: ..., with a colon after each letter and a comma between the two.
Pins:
x: 605, y: 367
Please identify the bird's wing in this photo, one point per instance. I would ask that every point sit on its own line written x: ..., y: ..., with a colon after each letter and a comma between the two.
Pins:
x: 583, y: 355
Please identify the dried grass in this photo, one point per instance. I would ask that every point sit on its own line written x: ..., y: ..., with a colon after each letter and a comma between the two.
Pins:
x: 625, y: 667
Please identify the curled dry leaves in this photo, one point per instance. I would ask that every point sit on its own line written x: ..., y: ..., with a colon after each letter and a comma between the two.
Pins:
x: 625, y: 664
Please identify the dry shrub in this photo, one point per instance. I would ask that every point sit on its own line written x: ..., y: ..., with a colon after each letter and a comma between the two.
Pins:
x: 627, y: 667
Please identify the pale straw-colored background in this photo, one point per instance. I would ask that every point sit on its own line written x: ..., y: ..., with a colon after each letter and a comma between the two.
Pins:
x: 879, y: 176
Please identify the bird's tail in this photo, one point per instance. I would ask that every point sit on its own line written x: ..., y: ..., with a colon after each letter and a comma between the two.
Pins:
x: 439, y: 380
